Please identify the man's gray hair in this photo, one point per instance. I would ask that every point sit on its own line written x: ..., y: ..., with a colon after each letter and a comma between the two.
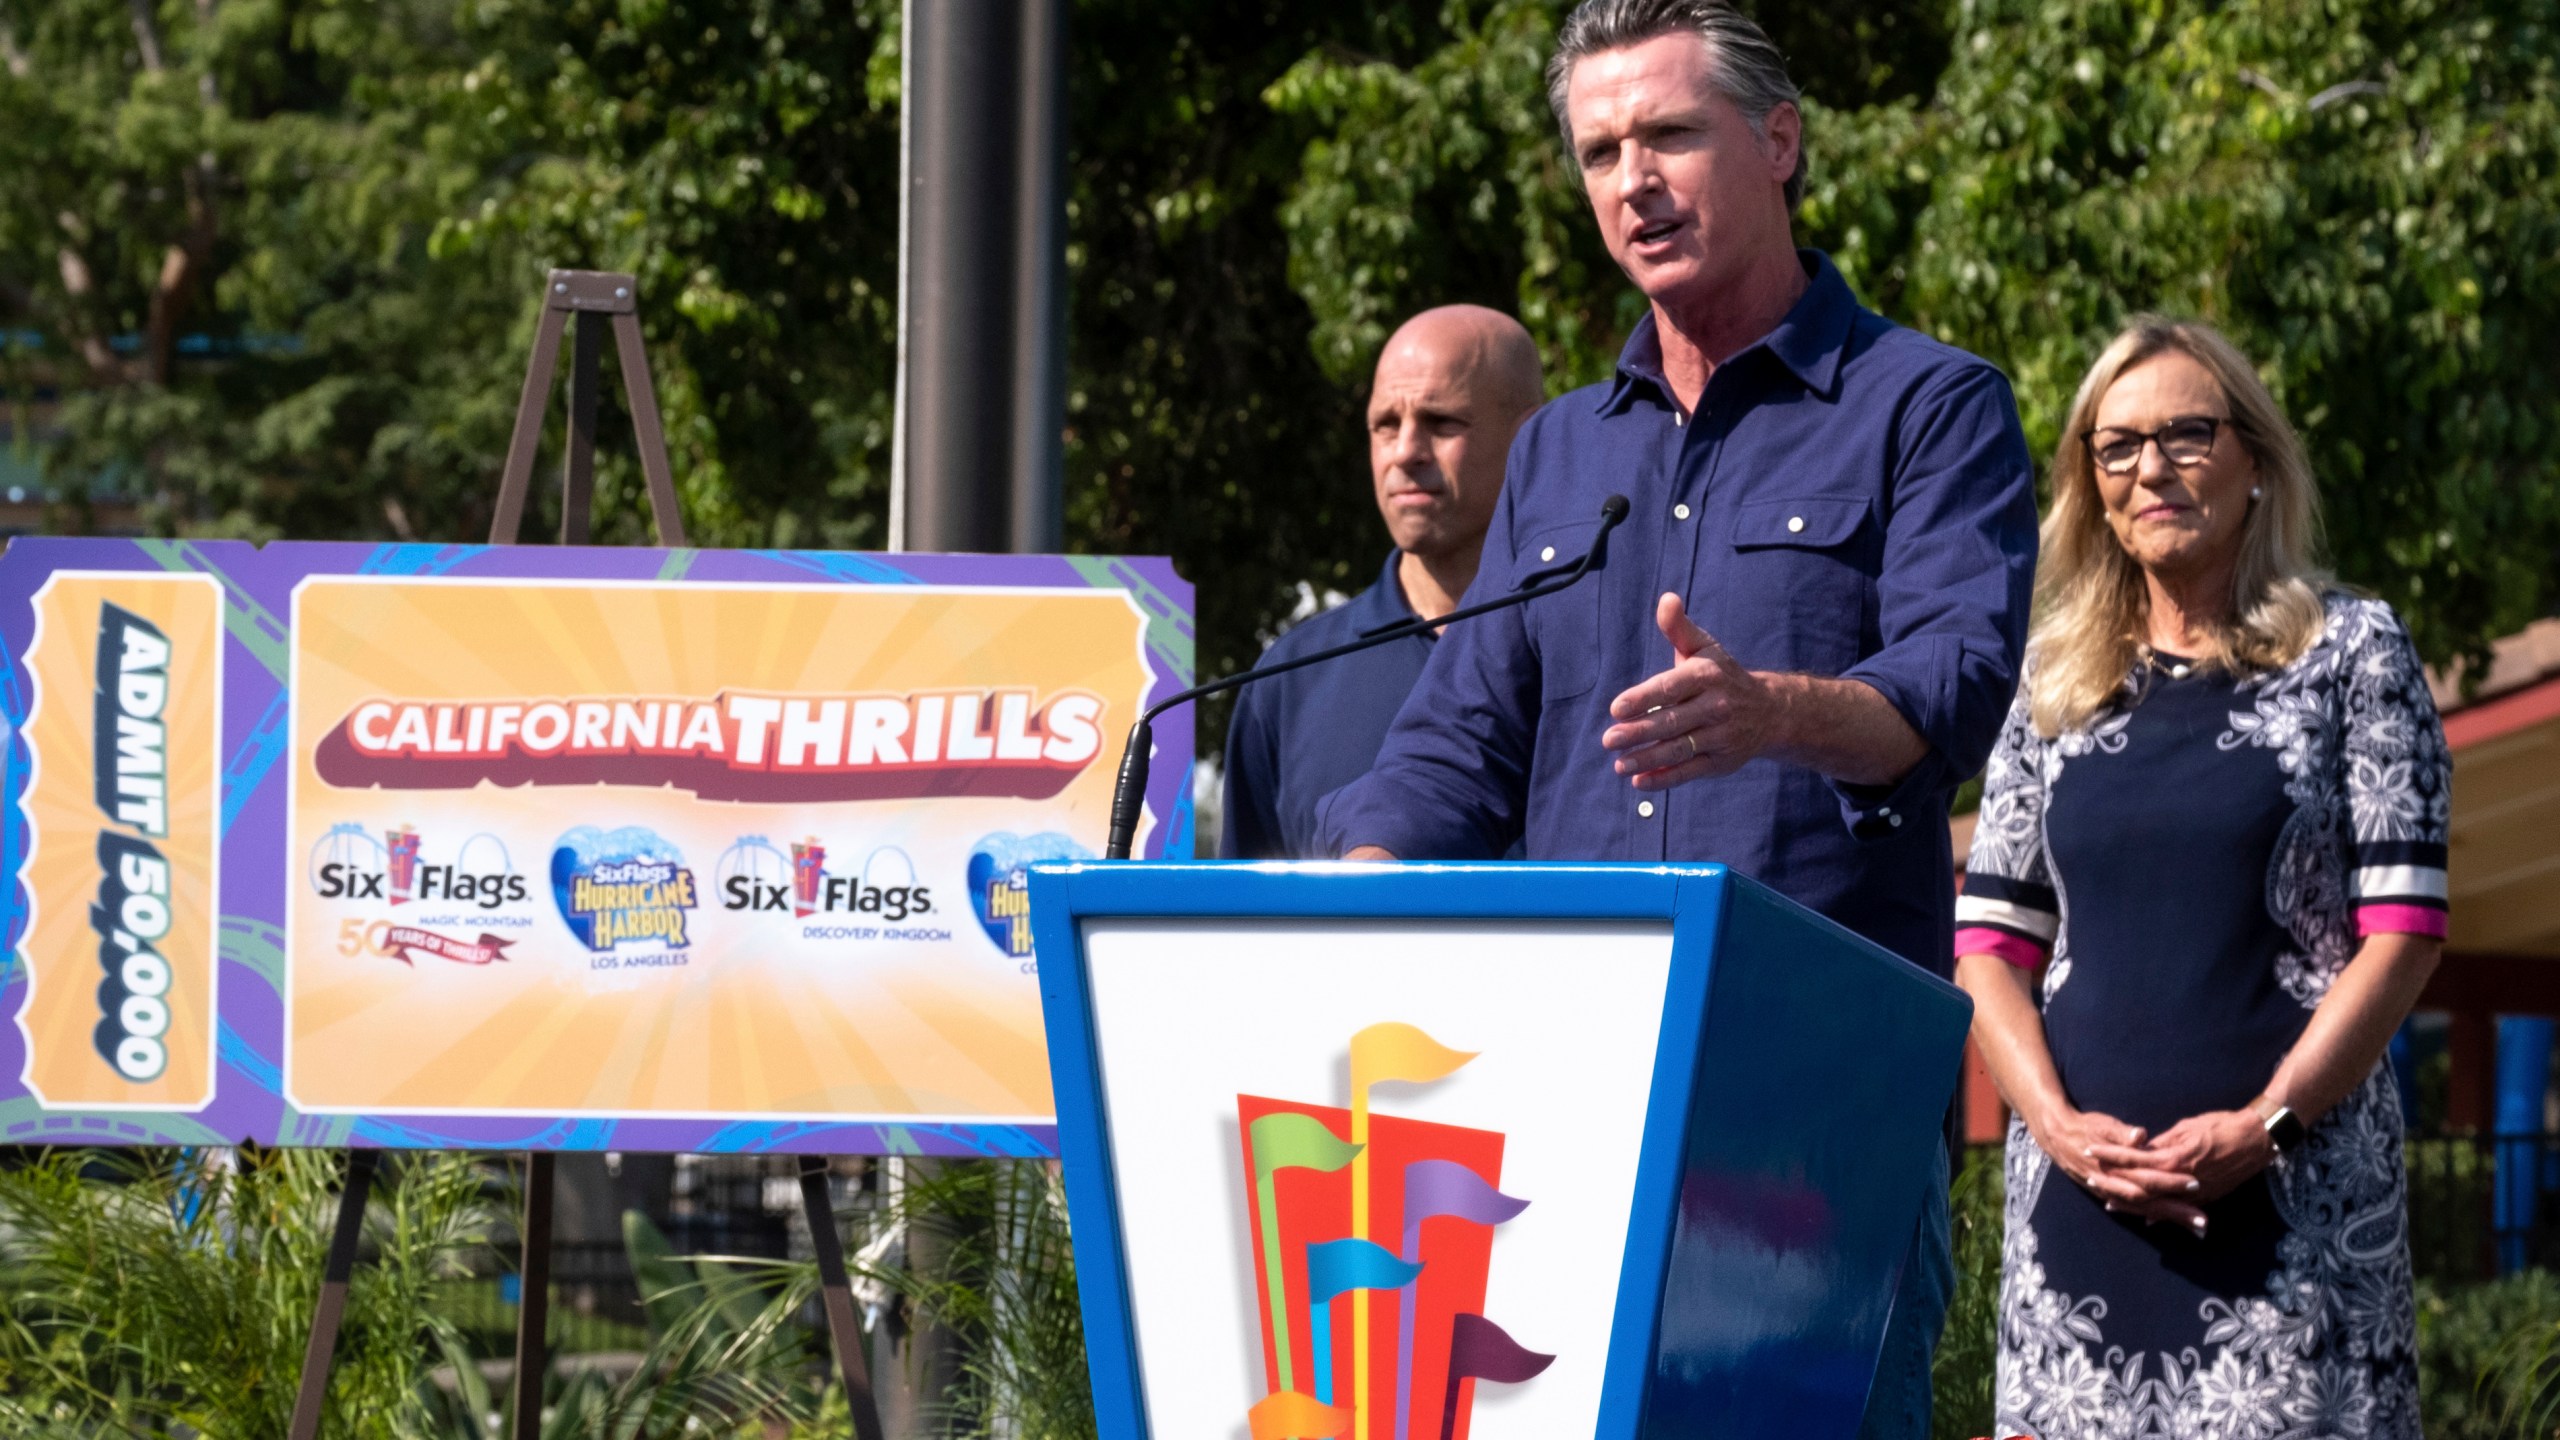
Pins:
x: 1748, y: 67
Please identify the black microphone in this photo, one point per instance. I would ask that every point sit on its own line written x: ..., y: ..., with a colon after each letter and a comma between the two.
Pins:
x: 1130, y: 796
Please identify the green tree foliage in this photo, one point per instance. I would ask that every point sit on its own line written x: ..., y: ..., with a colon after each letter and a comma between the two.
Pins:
x: 353, y: 204
x: 1199, y: 422
x: 368, y: 195
x: 2358, y: 190
x: 382, y: 186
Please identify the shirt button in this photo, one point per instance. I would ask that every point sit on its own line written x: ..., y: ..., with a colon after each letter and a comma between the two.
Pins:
x: 1897, y: 822
x: 1547, y: 554
x: 1795, y: 524
x: 1679, y: 512
x: 1886, y: 810
x: 1645, y: 808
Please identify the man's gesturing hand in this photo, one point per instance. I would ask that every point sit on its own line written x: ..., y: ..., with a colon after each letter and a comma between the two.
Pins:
x: 1706, y: 715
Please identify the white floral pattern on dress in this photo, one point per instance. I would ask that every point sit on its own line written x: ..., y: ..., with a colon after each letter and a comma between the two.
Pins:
x: 2328, y: 1349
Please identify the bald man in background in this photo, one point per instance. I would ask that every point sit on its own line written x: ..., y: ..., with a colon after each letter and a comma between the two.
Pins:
x: 1451, y: 390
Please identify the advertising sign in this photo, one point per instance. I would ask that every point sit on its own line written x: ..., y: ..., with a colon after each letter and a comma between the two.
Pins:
x: 554, y: 848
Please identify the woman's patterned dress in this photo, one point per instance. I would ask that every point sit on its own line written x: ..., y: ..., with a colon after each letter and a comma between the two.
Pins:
x: 2201, y: 861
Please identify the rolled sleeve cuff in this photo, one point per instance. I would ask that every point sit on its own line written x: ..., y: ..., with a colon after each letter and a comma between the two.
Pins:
x: 2018, y: 950
x: 1919, y: 680
x: 1369, y: 812
x: 2400, y: 918
x: 1880, y: 812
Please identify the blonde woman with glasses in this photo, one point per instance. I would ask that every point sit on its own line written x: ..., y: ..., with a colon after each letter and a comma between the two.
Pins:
x: 2216, y: 822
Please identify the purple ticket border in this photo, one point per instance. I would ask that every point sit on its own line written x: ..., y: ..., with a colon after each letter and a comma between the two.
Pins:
x: 258, y: 585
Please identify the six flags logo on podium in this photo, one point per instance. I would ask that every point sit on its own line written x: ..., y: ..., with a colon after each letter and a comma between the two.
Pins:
x: 1373, y: 1237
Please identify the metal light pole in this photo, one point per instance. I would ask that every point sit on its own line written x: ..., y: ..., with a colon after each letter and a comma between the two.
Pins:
x: 978, y: 459
x: 983, y: 383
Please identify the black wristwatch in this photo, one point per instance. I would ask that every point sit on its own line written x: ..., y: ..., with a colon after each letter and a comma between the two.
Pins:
x: 2284, y: 1130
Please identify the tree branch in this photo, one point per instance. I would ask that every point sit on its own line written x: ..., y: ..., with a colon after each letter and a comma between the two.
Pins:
x: 2344, y: 90
x: 183, y: 263
x: 146, y: 32
x: 79, y: 286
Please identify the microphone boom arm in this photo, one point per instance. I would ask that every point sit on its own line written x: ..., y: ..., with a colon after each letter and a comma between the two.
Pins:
x: 1129, y: 796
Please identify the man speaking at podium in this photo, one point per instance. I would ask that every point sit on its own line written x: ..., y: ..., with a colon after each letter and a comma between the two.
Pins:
x: 1809, y: 625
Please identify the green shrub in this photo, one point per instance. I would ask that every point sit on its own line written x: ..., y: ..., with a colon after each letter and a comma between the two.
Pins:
x: 156, y: 1292
x: 1967, y: 1350
x: 2489, y: 1358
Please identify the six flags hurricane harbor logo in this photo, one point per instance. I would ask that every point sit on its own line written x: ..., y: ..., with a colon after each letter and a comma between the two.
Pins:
x: 1329, y: 1193
x: 1000, y: 885
x: 1006, y: 742
x: 623, y: 887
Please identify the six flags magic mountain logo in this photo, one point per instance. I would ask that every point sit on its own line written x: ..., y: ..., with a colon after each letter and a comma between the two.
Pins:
x: 349, y: 864
x: 353, y: 863
x: 1373, y: 1236
x: 733, y: 746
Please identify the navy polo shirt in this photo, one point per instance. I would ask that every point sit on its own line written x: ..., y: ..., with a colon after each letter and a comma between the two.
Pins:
x: 1853, y: 499
x: 1296, y: 738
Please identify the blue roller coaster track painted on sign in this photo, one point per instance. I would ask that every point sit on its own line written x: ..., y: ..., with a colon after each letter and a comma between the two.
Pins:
x: 840, y: 565
x: 238, y: 1054
x: 259, y: 750
x: 416, y: 559
x: 248, y: 622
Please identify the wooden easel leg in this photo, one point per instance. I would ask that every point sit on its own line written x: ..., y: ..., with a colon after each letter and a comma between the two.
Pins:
x: 597, y: 298
x: 533, y: 1308
x: 578, y: 464
x: 332, y: 1306
x: 516, y: 480
x: 837, y: 1288
x: 642, y: 396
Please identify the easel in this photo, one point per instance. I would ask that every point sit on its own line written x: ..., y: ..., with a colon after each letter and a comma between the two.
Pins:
x: 597, y: 299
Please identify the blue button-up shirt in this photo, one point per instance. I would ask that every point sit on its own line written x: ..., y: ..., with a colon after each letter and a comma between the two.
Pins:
x: 1851, y: 498
x: 1298, y: 737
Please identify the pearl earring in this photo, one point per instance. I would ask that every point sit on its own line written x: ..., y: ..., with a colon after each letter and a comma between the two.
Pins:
x: 2256, y: 493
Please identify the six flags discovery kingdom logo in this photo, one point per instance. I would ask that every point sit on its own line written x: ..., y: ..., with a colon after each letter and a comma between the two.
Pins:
x: 1372, y: 1239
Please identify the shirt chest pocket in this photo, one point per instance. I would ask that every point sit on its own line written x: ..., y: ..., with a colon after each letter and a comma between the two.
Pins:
x: 1807, y: 566
x: 1563, y: 627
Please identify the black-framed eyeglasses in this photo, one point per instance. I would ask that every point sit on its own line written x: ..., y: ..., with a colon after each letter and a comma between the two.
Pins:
x: 2185, y: 441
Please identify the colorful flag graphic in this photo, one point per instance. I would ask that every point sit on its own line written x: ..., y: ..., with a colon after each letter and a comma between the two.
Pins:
x: 1336, y: 1268
x: 1480, y: 1350
x: 1276, y: 1143
x: 1288, y: 1415
x: 1316, y: 1200
x: 1381, y: 1053
x: 1435, y: 1190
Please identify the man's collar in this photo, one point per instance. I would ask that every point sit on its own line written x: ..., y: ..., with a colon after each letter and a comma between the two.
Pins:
x: 1810, y: 341
x: 1383, y: 603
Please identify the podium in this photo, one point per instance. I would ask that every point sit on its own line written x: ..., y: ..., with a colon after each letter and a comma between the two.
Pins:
x: 1420, y: 1152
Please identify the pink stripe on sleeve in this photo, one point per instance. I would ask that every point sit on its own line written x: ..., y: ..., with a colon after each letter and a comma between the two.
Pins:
x: 2399, y: 920
x: 1983, y: 940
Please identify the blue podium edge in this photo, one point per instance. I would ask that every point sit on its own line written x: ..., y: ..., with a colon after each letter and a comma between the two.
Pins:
x: 1690, y: 898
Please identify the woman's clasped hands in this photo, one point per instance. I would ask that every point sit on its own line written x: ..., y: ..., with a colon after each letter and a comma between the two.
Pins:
x: 2163, y: 1179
